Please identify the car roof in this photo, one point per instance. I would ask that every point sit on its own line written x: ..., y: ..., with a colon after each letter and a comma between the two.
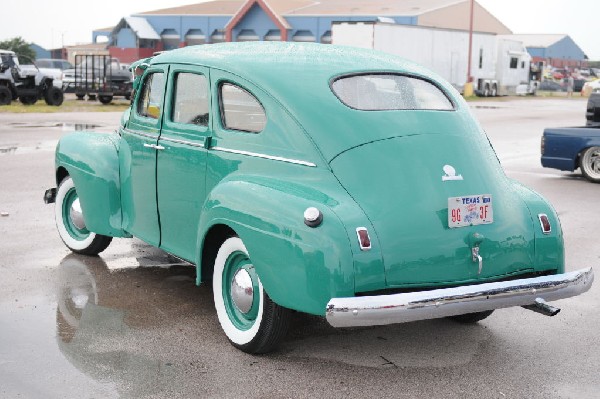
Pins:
x: 298, y: 75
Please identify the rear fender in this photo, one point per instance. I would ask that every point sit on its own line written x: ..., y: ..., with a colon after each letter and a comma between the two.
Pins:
x: 549, y: 248
x: 300, y: 267
x: 92, y: 161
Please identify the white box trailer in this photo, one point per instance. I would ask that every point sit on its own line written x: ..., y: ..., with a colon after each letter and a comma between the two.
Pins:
x: 445, y: 52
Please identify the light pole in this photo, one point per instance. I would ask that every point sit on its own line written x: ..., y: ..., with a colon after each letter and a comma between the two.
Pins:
x: 468, y: 90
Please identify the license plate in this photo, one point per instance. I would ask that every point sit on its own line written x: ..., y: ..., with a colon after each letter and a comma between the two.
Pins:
x: 470, y: 210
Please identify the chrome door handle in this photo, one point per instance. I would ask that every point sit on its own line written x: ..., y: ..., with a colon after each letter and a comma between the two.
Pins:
x: 156, y: 147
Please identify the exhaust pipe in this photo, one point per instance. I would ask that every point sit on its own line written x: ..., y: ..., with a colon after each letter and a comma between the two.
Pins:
x: 541, y: 306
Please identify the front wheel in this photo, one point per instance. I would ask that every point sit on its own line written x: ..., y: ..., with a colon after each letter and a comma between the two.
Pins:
x: 252, y: 322
x: 590, y: 164
x: 70, y: 223
x: 5, y: 95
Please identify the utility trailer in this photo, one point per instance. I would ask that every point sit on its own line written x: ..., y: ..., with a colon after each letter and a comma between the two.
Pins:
x: 499, y: 65
x: 98, y: 76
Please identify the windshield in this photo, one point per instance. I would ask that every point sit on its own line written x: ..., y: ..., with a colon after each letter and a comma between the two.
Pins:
x: 379, y: 92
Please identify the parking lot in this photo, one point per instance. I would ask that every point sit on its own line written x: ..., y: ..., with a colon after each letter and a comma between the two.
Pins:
x: 132, y: 323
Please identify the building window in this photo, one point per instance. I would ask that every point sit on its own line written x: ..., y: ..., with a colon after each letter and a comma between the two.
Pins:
x: 190, y: 105
x: 274, y: 35
x: 218, y: 36
x: 247, y: 35
x: 195, y: 37
x: 326, y: 38
x: 150, y: 104
x: 514, y: 62
x: 522, y: 64
x: 480, y: 58
x: 240, y: 110
x: 304, y: 36
x: 170, y: 39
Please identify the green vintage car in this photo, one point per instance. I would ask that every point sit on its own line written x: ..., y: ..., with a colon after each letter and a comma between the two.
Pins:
x: 339, y: 182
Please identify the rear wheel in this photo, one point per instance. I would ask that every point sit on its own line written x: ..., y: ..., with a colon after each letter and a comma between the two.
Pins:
x: 252, y: 322
x: 105, y: 99
x: 494, y: 90
x: 5, y: 95
x: 470, y: 318
x: 590, y: 164
x: 71, y: 225
x: 54, y: 96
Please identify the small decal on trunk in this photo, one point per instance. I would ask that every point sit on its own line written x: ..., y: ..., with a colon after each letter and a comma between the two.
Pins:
x: 450, y: 173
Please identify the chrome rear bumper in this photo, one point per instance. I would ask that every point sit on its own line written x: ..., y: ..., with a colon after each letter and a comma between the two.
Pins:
x: 413, y: 306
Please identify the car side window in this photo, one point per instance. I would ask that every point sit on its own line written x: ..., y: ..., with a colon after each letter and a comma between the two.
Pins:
x: 240, y: 110
x: 150, y: 104
x: 190, y: 104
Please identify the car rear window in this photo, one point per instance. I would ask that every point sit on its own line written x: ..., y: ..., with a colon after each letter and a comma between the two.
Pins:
x: 381, y: 92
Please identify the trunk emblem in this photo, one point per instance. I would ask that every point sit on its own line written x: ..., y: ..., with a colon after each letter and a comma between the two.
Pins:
x: 450, y: 173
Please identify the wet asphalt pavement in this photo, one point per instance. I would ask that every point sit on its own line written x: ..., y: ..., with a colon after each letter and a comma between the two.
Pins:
x: 131, y: 323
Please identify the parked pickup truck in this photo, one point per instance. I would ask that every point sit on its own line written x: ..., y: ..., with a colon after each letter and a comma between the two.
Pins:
x: 570, y: 148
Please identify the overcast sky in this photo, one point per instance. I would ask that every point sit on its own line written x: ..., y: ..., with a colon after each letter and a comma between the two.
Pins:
x: 53, y: 23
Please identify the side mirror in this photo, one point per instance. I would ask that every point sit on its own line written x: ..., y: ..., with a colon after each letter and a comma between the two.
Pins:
x: 3, y: 68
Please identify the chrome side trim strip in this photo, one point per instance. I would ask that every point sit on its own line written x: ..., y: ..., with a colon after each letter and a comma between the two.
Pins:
x: 190, y: 143
x: 264, y: 156
x: 140, y: 133
x: 423, y: 305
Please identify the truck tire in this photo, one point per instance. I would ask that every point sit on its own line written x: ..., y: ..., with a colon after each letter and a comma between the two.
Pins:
x: 105, y: 99
x: 5, y: 95
x: 589, y: 162
x: 28, y: 100
x: 54, y: 96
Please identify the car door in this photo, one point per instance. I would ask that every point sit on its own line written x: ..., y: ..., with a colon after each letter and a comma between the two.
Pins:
x: 137, y: 158
x: 181, y: 162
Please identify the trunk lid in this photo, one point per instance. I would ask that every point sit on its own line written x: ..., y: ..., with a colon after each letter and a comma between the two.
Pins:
x: 398, y: 184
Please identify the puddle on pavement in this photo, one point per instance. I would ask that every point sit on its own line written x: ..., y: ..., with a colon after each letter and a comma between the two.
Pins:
x: 50, y: 145
x: 64, y: 126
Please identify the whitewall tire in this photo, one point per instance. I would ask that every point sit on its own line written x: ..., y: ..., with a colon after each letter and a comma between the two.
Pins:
x: 71, y: 225
x: 249, y: 318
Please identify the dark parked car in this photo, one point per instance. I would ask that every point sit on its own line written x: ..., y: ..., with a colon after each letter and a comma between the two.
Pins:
x: 592, y: 114
x: 550, y: 85
x: 570, y: 148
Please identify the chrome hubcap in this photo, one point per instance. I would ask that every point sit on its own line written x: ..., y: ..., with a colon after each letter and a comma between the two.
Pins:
x: 76, y: 215
x: 242, y: 291
x: 592, y: 162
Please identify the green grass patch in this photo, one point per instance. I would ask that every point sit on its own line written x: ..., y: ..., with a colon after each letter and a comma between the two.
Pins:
x: 69, y: 105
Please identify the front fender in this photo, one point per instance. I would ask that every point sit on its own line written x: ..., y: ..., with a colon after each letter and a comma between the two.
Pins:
x: 92, y: 161
x: 300, y: 267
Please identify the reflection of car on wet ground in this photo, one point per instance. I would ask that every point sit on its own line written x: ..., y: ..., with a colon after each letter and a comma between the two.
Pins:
x: 333, y: 181
x: 576, y: 147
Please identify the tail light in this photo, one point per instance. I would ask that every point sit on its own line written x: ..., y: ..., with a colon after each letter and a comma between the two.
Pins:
x: 363, y: 238
x: 543, y: 144
x: 545, y: 223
